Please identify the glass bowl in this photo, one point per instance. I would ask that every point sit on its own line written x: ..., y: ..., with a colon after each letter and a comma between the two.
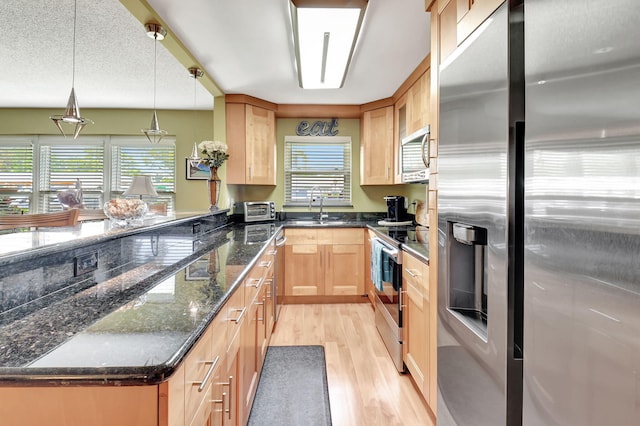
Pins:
x: 125, y: 211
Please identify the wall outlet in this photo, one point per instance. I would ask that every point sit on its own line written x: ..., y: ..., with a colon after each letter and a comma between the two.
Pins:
x: 85, y: 263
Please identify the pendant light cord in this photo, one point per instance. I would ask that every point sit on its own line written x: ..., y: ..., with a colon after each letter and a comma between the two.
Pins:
x: 73, y: 60
x: 195, y: 120
x: 155, y: 70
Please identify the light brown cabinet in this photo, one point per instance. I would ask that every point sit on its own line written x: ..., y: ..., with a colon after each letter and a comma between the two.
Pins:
x: 251, y: 138
x: 418, y: 108
x: 377, y: 154
x: 324, y: 262
x: 415, y: 282
x: 471, y: 13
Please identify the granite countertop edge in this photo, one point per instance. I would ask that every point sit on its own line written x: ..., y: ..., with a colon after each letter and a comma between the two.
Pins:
x: 11, y: 258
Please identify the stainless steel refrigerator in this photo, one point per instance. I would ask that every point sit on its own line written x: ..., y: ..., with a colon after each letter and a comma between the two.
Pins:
x: 539, y: 218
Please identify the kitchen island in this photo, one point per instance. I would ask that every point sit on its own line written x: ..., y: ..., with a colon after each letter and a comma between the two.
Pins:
x: 84, y: 340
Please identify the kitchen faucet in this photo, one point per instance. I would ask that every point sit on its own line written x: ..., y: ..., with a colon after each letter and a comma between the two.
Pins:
x: 322, y: 215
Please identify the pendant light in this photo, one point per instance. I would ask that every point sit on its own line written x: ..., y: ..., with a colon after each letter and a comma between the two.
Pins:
x: 154, y: 133
x: 195, y: 158
x: 72, y: 112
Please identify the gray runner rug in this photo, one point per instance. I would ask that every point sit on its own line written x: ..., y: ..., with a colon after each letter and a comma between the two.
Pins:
x: 292, y: 390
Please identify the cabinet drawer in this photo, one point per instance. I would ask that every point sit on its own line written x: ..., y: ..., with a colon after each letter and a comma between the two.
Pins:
x: 198, y: 367
x: 348, y: 236
x: 234, y: 314
x: 416, y: 273
x: 301, y: 236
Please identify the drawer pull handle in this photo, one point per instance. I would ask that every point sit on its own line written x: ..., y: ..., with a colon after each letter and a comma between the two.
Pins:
x: 229, y: 383
x: 220, y: 401
x: 257, y: 282
x: 265, y: 264
x: 237, y: 320
x: 207, y: 376
x: 410, y: 272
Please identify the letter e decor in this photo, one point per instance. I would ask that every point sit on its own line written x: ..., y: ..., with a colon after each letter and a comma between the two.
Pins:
x: 318, y: 128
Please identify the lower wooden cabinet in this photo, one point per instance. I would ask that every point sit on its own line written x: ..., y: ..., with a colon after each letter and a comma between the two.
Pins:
x: 214, y: 385
x: 324, y: 262
x: 419, y: 343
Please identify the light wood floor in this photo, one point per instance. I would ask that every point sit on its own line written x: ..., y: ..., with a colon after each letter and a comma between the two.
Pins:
x: 364, y: 386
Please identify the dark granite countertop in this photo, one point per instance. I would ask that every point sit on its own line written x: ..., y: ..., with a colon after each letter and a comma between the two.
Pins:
x: 133, y: 322
x: 20, y: 246
x: 133, y: 326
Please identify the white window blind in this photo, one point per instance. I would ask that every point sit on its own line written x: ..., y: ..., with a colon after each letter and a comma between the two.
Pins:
x: 321, y: 162
x: 131, y: 158
x: 16, y: 176
x: 62, y: 164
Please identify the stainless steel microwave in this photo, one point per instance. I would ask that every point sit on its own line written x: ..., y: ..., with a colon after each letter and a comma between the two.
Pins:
x: 414, y: 156
x: 256, y: 211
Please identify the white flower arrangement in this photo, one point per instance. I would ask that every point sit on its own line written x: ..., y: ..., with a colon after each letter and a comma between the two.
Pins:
x: 214, y: 153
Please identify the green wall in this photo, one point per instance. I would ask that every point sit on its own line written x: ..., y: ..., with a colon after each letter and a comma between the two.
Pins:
x: 191, y: 195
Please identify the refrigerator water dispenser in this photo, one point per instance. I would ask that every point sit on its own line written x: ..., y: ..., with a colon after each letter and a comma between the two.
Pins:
x: 467, y: 265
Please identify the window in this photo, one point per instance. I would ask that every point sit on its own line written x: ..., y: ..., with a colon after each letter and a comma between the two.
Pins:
x: 62, y: 163
x: 131, y: 158
x: 104, y: 165
x: 16, y: 175
x: 320, y: 162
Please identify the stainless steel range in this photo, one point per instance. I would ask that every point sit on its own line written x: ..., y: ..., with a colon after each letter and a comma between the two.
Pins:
x: 386, y: 274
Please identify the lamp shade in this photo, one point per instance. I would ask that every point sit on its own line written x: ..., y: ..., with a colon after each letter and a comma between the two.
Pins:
x: 141, y: 185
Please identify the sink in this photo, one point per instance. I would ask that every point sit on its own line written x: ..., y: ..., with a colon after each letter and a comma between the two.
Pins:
x: 315, y: 222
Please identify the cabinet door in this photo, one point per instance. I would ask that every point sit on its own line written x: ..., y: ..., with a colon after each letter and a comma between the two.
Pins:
x: 302, y: 274
x: 418, y: 103
x: 230, y: 386
x: 248, y: 361
x: 376, y: 148
x: 197, y: 380
x: 416, y: 322
x: 446, y: 29
x: 261, y: 326
x: 342, y: 276
x: 260, y: 146
x: 476, y: 13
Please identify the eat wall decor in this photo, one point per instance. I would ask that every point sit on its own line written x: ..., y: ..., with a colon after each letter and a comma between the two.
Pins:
x: 318, y: 128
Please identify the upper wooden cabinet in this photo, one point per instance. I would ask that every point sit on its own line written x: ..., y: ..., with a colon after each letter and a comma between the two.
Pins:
x: 471, y: 13
x: 251, y: 137
x: 376, y: 147
x: 418, y: 110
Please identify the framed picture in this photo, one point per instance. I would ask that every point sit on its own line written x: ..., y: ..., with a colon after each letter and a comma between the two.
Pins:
x: 197, y: 271
x: 197, y: 173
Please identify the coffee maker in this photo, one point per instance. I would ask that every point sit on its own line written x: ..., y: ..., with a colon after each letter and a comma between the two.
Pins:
x: 396, y: 209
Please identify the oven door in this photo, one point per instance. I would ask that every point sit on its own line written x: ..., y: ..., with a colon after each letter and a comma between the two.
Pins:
x: 388, y: 300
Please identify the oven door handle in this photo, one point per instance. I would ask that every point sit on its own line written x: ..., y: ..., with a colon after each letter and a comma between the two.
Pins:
x: 391, y: 252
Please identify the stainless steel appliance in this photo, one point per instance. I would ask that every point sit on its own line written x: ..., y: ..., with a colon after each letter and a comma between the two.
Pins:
x: 387, y: 256
x: 414, y: 156
x: 538, y: 322
x: 396, y: 208
x: 480, y: 226
x: 582, y: 226
x: 256, y: 211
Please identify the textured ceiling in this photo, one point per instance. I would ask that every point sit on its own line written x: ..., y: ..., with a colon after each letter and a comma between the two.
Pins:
x: 244, y: 45
x: 114, y: 59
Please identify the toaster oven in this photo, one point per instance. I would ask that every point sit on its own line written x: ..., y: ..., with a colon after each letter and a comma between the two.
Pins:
x: 256, y: 211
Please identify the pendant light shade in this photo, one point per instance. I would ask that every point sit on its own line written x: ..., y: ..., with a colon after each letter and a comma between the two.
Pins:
x: 195, y: 159
x: 154, y: 133
x: 71, y: 114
